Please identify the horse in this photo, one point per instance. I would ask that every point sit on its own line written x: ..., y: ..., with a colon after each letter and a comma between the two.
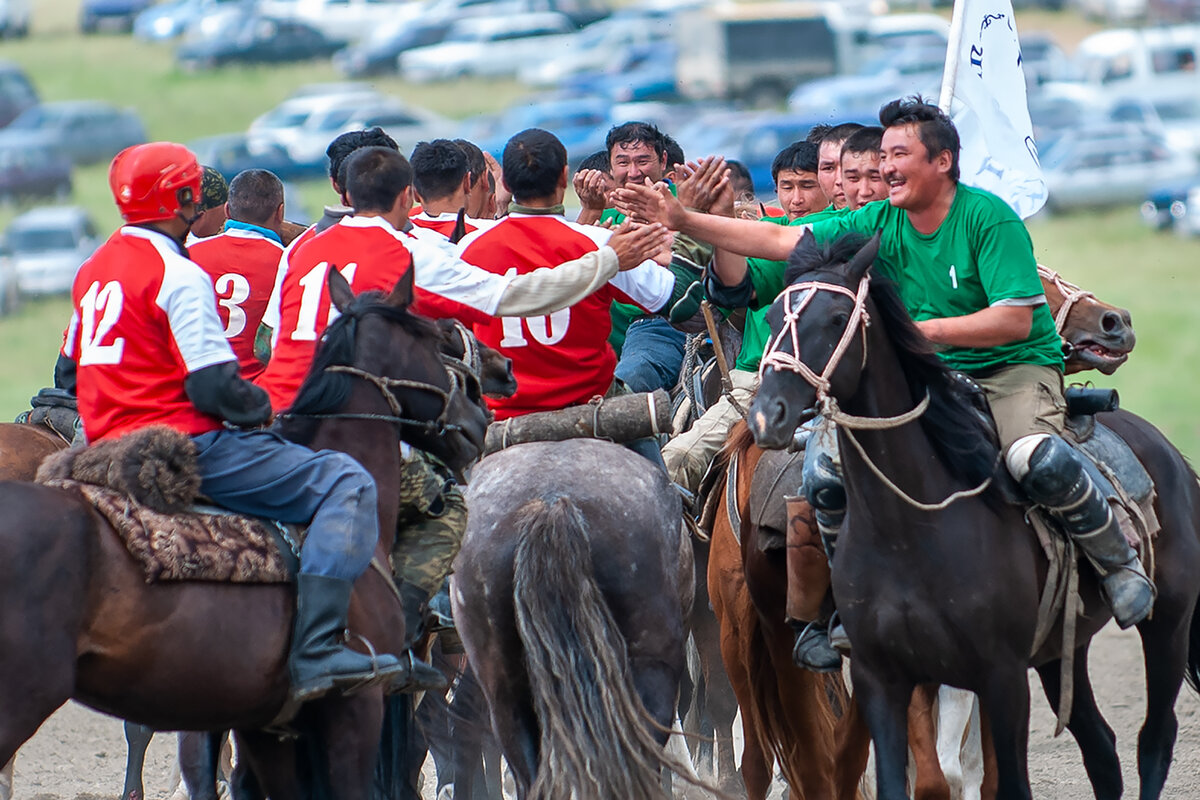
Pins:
x: 78, y: 620
x: 949, y: 592
x: 570, y: 594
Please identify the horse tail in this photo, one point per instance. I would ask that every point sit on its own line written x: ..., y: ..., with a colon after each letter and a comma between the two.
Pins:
x: 595, y: 737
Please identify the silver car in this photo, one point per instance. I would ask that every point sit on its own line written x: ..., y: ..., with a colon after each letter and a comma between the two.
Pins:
x: 48, y: 245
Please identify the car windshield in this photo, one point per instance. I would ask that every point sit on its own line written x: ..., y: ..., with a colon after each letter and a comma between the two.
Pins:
x: 36, y: 118
x: 1178, y: 110
x: 40, y: 240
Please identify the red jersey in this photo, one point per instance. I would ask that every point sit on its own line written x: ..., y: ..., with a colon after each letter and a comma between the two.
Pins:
x: 445, y: 223
x: 562, y: 359
x: 143, y: 317
x: 242, y: 265
x: 372, y: 255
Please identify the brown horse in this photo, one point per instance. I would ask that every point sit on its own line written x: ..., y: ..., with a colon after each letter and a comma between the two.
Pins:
x: 79, y: 620
x: 570, y: 593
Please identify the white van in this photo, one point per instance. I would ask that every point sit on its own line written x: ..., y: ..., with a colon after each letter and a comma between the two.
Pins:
x: 1148, y: 62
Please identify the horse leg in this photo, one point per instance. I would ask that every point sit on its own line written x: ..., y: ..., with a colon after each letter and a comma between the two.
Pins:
x: 922, y: 741
x: 6, y: 782
x: 852, y: 741
x: 1006, y: 698
x: 885, y: 704
x: 199, y: 754
x: 515, y: 724
x: 272, y: 765
x: 351, y: 729
x: 1096, y: 740
x: 1164, y: 646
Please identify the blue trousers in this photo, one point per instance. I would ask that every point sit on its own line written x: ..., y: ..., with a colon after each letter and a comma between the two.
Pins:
x: 262, y: 474
x: 652, y: 355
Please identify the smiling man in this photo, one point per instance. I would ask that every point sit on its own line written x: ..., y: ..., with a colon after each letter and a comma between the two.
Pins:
x: 861, y: 179
x: 963, y: 263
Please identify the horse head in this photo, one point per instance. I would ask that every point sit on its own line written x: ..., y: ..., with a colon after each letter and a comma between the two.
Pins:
x: 379, y: 362
x: 818, y: 345
x: 1095, y: 335
x: 491, y: 367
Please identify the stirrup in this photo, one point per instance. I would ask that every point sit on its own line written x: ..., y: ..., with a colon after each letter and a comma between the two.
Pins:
x: 812, y: 650
x: 838, y: 639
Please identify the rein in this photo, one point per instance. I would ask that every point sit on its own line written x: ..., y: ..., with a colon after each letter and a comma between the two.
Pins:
x: 833, y: 415
x: 1071, y: 293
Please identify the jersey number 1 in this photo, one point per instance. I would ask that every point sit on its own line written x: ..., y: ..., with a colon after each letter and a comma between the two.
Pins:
x: 106, y: 302
x: 312, y: 283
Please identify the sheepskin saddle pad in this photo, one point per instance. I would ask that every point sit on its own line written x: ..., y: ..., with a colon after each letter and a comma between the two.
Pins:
x: 146, y: 485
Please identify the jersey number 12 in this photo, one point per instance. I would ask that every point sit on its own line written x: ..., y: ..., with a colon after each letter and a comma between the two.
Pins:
x: 106, y: 302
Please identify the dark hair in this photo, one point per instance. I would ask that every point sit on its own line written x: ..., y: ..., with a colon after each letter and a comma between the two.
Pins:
x: 375, y: 176
x: 533, y: 161
x: 864, y: 140
x: 438, y: 168
x: 817, y: 133
x: 597, y: 160
x: 934, y: 128
x: 476, y: 164
x: 254, y: 196
x: 341, y: 147
x: 636, y: 133
x: 840, y: 133
x: 740, y: 172
x: 674, y: 152
x: 798, y: 156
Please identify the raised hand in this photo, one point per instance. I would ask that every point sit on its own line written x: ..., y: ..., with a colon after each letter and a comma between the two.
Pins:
x: 650, y: 204
x: 702, y: 183
x: 593, y: 187
x: 636, y: 243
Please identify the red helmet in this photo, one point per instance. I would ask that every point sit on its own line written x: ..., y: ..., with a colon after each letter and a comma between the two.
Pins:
x: 153, y: 181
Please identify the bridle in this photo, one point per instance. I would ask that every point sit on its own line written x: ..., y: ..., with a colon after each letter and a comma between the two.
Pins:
x: 793, y: 306
x: 461, y: 372
x: 1071, y: 293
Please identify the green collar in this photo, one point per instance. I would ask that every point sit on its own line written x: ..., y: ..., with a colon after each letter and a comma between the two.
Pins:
x: 517, y: 208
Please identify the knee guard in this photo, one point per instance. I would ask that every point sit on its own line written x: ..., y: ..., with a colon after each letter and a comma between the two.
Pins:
x: 822, y: 475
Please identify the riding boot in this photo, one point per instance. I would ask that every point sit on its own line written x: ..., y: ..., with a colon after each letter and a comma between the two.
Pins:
x: 1054, y: 477
x: 441, y: 615
x: 812, y: 650
x: 319, y: 660
x: 418, y: 676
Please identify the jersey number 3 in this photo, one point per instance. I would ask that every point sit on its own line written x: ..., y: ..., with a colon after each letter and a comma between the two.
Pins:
x: 104, y: 302
x: 233, y: 290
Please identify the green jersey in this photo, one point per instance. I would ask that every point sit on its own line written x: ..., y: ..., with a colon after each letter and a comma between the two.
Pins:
x: 767, y: 278
x: 980, y: 256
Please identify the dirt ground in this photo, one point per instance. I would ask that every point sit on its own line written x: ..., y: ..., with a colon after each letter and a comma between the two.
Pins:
x: 80, y: 755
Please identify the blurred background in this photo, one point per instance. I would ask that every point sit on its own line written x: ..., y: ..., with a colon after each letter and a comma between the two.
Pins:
x: 1114, y: 95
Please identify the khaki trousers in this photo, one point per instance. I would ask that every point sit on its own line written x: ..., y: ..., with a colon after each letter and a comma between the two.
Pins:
x: 1025, y: 399
x: 688, y: 455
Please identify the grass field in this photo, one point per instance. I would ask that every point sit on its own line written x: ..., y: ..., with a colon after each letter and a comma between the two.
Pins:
x: 1156, y: 276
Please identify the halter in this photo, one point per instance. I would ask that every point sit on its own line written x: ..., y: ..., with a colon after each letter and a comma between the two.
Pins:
x: 859, y: 321
x: 1071, y: 293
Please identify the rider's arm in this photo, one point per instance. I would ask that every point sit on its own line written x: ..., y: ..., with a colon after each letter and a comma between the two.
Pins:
x: 991, y: 327
x: 64, y: 374
x: 220, y: 390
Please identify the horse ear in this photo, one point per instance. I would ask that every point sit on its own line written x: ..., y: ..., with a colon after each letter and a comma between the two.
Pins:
x: 864, y: 258
x: 402, y: 293
x: 339, y: 289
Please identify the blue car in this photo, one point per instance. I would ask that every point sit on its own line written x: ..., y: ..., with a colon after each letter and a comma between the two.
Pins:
x: 117, y: 14
x: 580, y: 123
x: 646, y: 72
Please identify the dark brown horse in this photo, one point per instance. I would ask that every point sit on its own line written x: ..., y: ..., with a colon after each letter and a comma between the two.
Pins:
x: 951, y: 596
x: 79, y: 620
x: 570, y: 593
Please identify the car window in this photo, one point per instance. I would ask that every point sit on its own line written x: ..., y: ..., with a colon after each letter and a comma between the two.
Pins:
x: 1173, y: 59
x: 1128, y: 112
x: 390, y: 121
x: 36, y: 240
x: 14, y: 86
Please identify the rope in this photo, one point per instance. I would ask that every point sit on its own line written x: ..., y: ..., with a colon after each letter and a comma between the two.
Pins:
x: 1071, y: 293
x: 719, y: 353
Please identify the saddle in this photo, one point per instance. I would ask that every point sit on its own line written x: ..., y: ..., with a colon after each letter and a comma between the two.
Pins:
x: 146, y: 485
x: 54, y: 409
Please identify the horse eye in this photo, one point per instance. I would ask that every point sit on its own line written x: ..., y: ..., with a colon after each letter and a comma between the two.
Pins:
x: 839, y: 320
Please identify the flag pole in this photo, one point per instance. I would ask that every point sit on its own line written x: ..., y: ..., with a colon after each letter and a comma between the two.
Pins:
x: 953, y: 53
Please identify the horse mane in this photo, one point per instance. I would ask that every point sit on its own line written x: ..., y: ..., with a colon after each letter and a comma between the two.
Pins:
x: 962, y: 437
x: 324, y: 392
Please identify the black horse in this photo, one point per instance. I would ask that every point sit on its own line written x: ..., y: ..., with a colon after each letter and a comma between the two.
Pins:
x: 951, y: 596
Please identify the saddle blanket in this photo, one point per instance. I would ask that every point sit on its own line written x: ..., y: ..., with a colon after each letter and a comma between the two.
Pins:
x: 191, y: 546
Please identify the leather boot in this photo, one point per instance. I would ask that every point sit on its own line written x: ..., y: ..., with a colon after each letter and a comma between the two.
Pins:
x: 319, y: 660
x: 1057, y: 480
x: 441, y: 615
x: 418, y: 675
x: 812, y: 650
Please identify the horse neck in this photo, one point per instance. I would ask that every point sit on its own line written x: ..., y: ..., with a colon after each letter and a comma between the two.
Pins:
x: 374, y: 445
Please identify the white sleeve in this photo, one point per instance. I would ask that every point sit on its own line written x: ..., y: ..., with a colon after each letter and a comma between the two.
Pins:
x: 68, y: 348
x: 441, y: 272
x: 648, y: 284
x: 190, y: 303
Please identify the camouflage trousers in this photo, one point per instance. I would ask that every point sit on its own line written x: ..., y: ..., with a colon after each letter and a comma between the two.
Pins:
x: 433, y: 518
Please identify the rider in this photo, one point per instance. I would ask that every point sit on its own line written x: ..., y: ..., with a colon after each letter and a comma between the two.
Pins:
x: 964, y: 265
x: 242, y: 261
x: 150, y: 350
x: 442, y: 179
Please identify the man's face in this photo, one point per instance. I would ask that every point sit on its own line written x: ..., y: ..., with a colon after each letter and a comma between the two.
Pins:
x: 828, y: 163
x: 800, y: 193
x: 861, y: 180
x: 633, y: 162
x: 914, y: 182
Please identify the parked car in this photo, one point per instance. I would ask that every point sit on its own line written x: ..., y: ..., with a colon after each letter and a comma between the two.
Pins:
x: 281, y: 125
x: 492, y: 46
x: 85, y: 131
x: 338, y: 20
x: 33, y: 171
x: 48, y: 245
x: 230, y: 153
x: 641, y: 73
x: 378, y: 53
x: 1042, y: 59
x: 580, y: 123
x: 112, y: 14
x: 1176, y: 119
x: 10, y: 290
x: 1167, y: 203
x: 173, y: 18
x: 14, y: 18
x: 1108, y: 165
x: 404, y: 123
x: 904, y: 72
x: 598, y: 48
x: 255, y: 39
x: 16, y: 92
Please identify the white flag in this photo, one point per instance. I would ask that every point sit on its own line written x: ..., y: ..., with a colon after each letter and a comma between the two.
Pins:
x: 987, y: 102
